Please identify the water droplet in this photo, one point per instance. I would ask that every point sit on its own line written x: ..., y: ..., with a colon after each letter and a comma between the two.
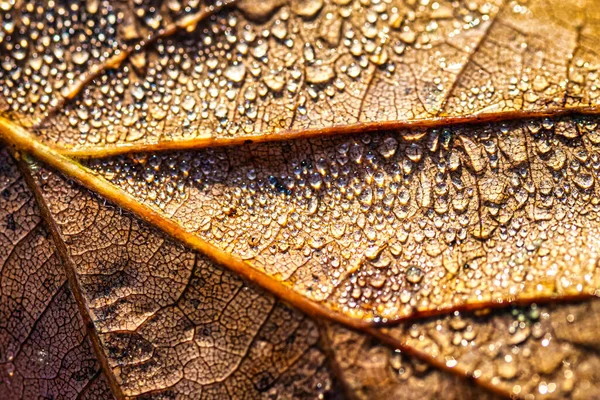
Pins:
x: 279, y: 30
x: 236, y: 73
x: 309, y: 52
x: 274, y: 82
x: 319, y: 74
x: 414, y: 274
x: 80, y: 57
x: 584, y: 180
x: 307, y: 8
x: 405, y: 296
x: 414, y: 152
x: 137, y: 92
x: 354, y: 70
x: 221, y: 111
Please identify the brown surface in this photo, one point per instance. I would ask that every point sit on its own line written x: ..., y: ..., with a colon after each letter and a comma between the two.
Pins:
x: 546, y: 352
x: 292, y: 66
x: 44, y: 349
x: 172, y: 322
x: 469, y: 182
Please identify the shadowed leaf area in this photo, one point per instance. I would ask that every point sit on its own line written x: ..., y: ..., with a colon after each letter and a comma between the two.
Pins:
x: 286, y: 199
x: 45, y: 349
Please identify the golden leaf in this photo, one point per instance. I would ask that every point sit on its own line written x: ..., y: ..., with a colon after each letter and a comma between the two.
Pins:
x: 202, y: 167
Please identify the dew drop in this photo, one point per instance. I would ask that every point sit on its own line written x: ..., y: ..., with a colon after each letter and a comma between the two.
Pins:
x: 353, y: 70
x: 414, y: 274
x: 80, y: 57
x: 309, y: 52
x: 319, y: 74
x: 236, y: 73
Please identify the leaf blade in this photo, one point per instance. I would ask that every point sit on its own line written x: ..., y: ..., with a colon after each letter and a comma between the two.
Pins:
x: 170, y: 321
x: 39, y: 357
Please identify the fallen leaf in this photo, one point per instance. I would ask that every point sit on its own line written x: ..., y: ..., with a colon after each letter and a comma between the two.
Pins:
x: 44, y: 347
x: 218, y: 184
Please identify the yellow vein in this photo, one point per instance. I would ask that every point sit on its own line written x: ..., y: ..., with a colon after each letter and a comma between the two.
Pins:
x: 114, y: 62
x: 23, y: 141
x: 108, y: 150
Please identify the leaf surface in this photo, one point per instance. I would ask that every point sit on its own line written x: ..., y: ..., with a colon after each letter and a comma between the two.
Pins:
x: 374, y: 371
x: 383, y: 226
x: 44, y: 347
x: 534, y: 351
x: 288, y: 69
x: 171, y: 322
x: 466, y: 179
x: 548, y: 350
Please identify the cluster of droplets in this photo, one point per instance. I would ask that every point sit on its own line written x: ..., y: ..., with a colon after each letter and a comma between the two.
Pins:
x: 235, y: 76
x: 404, y: 367
x: 567, y: 77
x: 45, y: 46
x: 583, y: 78
x: 156, y: 15
x: 524, y: 351
x: 396, y: 221
x: 463, y: 208
x: 150, y: 17
x: 156, y: 179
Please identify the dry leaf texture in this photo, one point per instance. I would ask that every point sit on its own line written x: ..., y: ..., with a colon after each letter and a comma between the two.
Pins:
x: 178, y: 174
x: 44, y: 348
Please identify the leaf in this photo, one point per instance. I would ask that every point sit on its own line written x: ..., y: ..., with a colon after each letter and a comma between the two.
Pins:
x: 383, y: 226
x: 374, y: 371
x: 548, y: 351
x: 44, y: 347
x: 292, y: 70
x: 469, y: 182
x: 169, y: 320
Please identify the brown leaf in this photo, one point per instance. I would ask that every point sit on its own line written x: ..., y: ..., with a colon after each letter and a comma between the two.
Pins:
x: 550, y: 351
x: 541, y: 351
x: 44, y: 348
x: 469, y: 182
x: 172, y: 322
x: 373, y: 371
x: 383, y: 226
x: 291, y: 69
